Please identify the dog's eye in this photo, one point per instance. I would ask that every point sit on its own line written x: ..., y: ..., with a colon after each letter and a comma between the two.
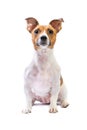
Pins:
x: 36, y: 31
x: 50, y: 31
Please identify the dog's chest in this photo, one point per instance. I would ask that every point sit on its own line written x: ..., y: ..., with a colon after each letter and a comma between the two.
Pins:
x: 44, y: 74
x: 41, y: 84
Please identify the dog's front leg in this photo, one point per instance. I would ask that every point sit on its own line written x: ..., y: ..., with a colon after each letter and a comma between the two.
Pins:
x: 54, y: 97
x: 28, y: 107
x: 28, y: 98
x: 53, y: 103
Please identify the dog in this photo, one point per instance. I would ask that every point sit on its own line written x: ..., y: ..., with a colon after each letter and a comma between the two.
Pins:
x: 42, y: 78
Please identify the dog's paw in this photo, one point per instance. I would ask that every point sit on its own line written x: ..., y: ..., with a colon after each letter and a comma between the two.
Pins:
x: 64, y: 104
x: 26, y: 111
x: 53, y: 110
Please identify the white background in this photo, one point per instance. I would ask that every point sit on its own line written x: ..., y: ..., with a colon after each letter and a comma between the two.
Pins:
x: 16, y: 52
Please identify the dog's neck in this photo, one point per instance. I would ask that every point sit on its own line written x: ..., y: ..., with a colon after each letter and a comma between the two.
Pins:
x: 44, y: 55
x: 44, y: 58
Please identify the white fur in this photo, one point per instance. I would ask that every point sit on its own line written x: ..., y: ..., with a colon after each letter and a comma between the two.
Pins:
x: 42, y: 80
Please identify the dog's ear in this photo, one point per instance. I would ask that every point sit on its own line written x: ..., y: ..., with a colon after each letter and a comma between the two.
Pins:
x: 31, y: 23
x: 57, y: 24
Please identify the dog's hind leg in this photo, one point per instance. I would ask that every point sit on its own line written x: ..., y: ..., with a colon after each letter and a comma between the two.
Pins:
x: 62, y: 97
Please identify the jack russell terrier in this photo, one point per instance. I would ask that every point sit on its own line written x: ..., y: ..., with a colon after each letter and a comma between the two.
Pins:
x: 43, y: 80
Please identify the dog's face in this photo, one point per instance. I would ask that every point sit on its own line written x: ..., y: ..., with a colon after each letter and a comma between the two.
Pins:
x: 43, y: 36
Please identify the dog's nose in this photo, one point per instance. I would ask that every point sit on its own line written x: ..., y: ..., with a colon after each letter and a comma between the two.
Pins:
x: 43, y: 38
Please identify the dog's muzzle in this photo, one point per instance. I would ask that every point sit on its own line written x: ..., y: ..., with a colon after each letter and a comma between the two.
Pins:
x: 43, y: 41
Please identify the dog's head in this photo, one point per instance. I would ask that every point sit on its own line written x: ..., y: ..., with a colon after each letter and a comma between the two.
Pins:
x: 44, y: 36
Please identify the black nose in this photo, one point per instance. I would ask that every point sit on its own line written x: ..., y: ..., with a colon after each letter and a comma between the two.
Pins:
x: 43, y: 38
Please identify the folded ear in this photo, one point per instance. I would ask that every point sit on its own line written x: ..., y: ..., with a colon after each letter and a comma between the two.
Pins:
x: 57, y: 24
x: 31, y: 23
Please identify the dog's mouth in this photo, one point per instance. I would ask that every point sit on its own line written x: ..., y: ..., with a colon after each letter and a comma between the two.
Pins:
x: 43, y: 44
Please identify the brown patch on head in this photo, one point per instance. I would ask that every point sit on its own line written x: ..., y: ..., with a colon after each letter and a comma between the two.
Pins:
x: 36, y: 34
x: 49, y: 30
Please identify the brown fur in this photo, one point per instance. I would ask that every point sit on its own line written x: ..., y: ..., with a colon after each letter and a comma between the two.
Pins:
x: 41, y: 29
x: 31, y: 23
x: 61, y: 81
x: 57, y: 24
